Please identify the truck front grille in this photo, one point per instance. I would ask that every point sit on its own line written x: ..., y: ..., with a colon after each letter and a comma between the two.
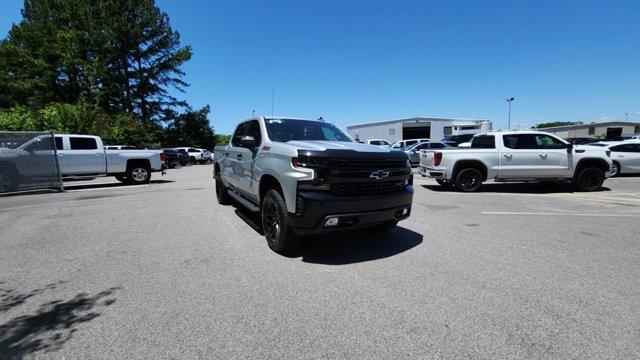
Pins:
x: 367, y: 188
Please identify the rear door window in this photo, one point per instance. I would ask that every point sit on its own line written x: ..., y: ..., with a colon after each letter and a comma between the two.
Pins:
x: 83, y: 143
x: 518, y: 141
x: 484, y: 142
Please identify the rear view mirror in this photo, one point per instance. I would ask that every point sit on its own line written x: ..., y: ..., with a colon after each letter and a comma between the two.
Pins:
x: 247, y: 142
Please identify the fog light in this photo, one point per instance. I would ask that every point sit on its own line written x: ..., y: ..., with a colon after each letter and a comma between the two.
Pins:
x: 405, y: 211
x: 331, y: 222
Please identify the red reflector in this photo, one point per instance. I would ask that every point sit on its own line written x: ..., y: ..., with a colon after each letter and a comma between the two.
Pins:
x: 437, y: 159
x: 295, y: 162
x: 163, y: 156
x: 266, y: 148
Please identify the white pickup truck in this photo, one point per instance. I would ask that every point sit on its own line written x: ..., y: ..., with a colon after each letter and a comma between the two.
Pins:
x: 517, y: 156
x: 85, y: 155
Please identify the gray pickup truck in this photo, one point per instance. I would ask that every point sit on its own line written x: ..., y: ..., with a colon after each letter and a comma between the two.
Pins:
x: 308, y: 177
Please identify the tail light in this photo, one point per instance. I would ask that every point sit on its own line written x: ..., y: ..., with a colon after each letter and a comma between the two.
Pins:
x: 163, y: 156
x: 437, y: 159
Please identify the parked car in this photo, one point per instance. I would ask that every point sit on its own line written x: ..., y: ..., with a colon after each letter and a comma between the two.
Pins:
x: 456, y: 140
x: 120, y: 147
x: 172, y: 158
x: 402, y: 144
x: 413, y: 151
x: 582, y: 140
x: 183, y: 156
x: 78, y: 156
x: 207, y: 156
x: 625, y: 156
x: 378, y: 142
x: 199, y: 156
x: 517, y: 156
x: 308, y: 177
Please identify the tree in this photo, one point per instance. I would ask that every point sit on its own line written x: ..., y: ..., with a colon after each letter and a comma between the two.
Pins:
x: 192, y: 128
x: 558, y: 123
x: 121, y: 55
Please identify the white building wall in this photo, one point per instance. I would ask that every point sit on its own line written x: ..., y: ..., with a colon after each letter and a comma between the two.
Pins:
x: 392, y: 130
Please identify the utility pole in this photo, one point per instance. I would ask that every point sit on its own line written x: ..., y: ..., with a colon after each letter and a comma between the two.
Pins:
x: 626, y: 116
x: 509, y: 100
x: 253, y: 113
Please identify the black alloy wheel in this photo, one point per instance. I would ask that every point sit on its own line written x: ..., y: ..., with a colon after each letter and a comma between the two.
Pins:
x: 468, y: 180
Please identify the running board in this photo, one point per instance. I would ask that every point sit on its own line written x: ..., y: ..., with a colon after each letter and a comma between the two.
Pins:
x: 244, y: 202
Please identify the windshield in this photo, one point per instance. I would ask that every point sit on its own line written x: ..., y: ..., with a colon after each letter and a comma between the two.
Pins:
x: 283, y: 130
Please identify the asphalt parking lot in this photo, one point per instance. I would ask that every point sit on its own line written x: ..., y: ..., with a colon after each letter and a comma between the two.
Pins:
x: 162, y: 271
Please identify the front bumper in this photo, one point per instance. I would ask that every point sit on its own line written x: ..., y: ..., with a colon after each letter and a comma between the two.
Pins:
x: 314, y: 208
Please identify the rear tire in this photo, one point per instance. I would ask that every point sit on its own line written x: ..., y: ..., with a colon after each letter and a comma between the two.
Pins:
x: 138, y: 174
x: 275, y: 223
x: 221, y: 191
x: 589, y: 179
x: 468, y: 180
x: 192, y: 159
x: 615, y: 169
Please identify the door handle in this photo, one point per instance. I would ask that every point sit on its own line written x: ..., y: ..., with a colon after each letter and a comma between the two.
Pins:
x: 543, y: 155
x: 508, y: 156
x: 226, y: 154
x: 239, y: 156
x: 620, y: 155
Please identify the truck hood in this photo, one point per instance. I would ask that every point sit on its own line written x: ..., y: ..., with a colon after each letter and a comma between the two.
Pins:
x: 319, y: 145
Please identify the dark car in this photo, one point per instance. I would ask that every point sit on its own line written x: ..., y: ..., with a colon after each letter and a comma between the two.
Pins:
x: 172, y: 158
x: 582, y: 140
x: 455, y: 140
x: 183, y: 156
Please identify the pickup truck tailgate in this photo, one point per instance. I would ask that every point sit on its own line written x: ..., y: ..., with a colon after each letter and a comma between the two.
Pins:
x: 426, y: 158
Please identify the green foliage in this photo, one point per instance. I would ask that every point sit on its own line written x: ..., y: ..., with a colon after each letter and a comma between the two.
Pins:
x: 98, y: 67
x: 222, y: 139
x: 558, y: 123
x: 192, y: 129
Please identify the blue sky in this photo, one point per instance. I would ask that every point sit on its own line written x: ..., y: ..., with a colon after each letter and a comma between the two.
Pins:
x: 361, y: 61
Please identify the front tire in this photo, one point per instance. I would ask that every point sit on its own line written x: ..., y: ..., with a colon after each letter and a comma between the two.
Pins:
x: 589, y: 179
x: 468, y: 180
x: 615, y: 169
x: 138, y: 174
x: 275, y: 223
x: 221, y: 191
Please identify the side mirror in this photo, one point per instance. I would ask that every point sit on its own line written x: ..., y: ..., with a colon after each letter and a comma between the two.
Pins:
x: 569, y: 146
x: 247, y: 142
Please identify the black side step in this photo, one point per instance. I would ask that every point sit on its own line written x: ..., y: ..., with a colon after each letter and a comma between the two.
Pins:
x: 244, y: 202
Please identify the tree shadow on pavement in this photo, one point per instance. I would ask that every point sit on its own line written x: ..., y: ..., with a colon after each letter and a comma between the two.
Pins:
x: 52, y: 325
x: 358, y: 246
x: 114, y: 184
x: 10, y: 298
x: 518, y: 188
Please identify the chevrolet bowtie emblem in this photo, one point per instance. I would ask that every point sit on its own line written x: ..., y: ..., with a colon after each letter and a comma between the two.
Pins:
x: 379, y: 174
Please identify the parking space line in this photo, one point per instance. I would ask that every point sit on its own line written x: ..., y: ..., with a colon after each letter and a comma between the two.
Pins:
x: 556, y: 214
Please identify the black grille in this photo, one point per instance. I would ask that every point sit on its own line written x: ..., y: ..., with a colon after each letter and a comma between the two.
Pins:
x: 367, y: 188
x: 367, y: 163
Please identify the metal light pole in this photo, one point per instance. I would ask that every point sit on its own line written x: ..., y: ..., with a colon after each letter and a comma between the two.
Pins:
x: 253, y: 113
x: 509, y: 100
x: 626, y: 115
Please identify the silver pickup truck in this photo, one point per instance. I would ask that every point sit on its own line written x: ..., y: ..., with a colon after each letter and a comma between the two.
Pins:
x: 517, y: 156
x: 308, y: 177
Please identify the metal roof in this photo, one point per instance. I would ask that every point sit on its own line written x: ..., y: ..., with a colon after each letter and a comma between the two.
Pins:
x: 416, y: 118
x: 583, y: 126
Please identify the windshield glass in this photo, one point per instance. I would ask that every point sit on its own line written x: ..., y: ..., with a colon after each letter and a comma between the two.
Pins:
x: 283, y: 130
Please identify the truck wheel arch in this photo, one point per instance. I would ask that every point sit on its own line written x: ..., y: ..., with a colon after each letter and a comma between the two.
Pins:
x: 595, y: 162
x: 268, y: 182
x: 464, y: 164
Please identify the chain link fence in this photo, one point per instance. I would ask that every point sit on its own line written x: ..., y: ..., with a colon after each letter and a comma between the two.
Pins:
x: 28, y: 161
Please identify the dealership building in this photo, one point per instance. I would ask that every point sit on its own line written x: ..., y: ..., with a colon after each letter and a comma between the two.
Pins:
x: 417, y: 128
x: 605, y: 130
